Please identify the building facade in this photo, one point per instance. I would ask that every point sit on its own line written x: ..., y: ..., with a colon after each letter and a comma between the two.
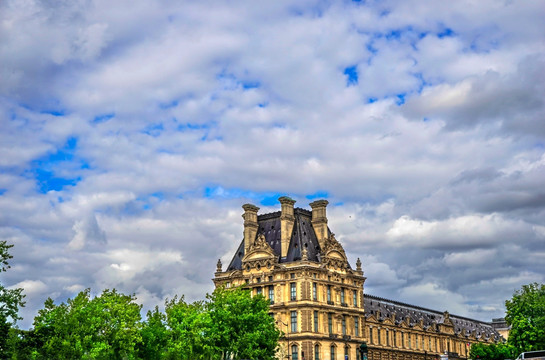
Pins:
x: 292, y: 258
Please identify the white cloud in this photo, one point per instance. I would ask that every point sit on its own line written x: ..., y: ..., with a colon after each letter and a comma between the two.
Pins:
x: 178, y: 113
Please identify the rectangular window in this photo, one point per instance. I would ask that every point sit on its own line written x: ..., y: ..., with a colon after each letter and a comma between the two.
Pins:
x: 344, y: 325
x: 402, y: 340
x: 270, y: 278
x: 271, y: 294
x: 314, y: 291
x: 333, y: 353
x: 378, y: 336
x: 316, y: 352
x: 416, y: 342
x: 356, y: 326
x: 409, y: 340
x: 395, y: 338
x: 292, y: 276
x: 370, y: 334
x: 387, y: 338
x: 293, y: 291
x: 294, y: 321
x: 330, y: 322
x: 355, y: 298
x: 294, y: 352
x: 259, y: 290
x: 342, y: 296
x: 329, y: 293
x: 315, y: 321
x: 346, y: 353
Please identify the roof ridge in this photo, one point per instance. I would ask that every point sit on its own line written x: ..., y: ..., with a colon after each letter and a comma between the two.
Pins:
x: 270, y: 215
x: 425, y: 309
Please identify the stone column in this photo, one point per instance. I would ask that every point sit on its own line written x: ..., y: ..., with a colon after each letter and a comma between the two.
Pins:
x: 287, y: 219
x: 250, y: 225
x: 319, y: 220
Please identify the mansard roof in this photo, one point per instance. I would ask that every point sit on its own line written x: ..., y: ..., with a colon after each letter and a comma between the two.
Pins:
x: 384, y: 308
x: 303, y: 236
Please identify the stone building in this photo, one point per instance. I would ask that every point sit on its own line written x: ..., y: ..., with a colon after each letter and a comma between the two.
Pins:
x: 292, y: 258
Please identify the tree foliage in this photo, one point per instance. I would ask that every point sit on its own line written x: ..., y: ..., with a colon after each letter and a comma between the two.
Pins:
x: 241, y: 325
x: 526, y: 315
x: 154, y: 336
x: 10, y: 300
x: 105, y: 327
x: 228, y: 324
x: 492, y: 351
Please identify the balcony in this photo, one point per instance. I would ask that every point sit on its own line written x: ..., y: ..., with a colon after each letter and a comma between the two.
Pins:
x: 329, y: 302
x: 333, y: 336
x: 344, y: 304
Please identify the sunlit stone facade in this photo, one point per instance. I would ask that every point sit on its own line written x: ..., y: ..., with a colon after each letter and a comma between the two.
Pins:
x: 292, y: 258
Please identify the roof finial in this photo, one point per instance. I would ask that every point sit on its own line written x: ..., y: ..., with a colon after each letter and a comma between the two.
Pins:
x: 218, y: 266
x: 358, y: 265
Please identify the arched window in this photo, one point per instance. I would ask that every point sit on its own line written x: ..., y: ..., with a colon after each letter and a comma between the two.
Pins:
x: 332, y: 352
x: 316, y: 352
x: 294, y: 352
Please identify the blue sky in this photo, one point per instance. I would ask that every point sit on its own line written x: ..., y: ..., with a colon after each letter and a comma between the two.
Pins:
x: 133, y: 132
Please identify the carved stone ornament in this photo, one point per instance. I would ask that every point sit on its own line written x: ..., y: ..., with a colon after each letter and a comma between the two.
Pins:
x: 334, y: 255
x: 358, y: 265
x: 259, y: 255
x: 218, y: 266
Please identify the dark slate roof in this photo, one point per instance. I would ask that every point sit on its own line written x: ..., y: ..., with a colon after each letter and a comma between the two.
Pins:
x: 462, y: 325
x: 303, y: 235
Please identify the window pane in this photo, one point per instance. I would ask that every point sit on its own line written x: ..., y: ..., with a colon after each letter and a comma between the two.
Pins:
x: 294, y: 352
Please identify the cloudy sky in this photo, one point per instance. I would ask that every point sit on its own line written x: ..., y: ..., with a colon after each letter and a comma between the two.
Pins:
x: 133, y: 131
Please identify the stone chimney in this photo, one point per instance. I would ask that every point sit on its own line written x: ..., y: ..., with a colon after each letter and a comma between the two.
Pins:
x: 319, y: 220
x: 287, y: 219
x: 250, y: 225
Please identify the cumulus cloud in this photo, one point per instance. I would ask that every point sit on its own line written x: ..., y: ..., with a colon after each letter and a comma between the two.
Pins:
x: 133, y: 132
x: 87, y: 232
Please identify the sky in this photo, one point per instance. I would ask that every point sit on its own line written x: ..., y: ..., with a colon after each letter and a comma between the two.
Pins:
x: 132, y: 132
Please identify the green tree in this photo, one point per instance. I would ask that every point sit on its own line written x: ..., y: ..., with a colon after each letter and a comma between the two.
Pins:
x: 105, y: 327
x: 10, y: 301
x: 185, y: 323
x: 154, y: 336
x: 492, y: 351
x: 240, y: 326
x: 229, y: 324
x: 526, y: 315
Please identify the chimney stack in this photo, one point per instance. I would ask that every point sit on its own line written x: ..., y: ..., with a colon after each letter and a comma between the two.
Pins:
x: 319, y: 220
x: 250, y: 225
x: 287, y: 219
